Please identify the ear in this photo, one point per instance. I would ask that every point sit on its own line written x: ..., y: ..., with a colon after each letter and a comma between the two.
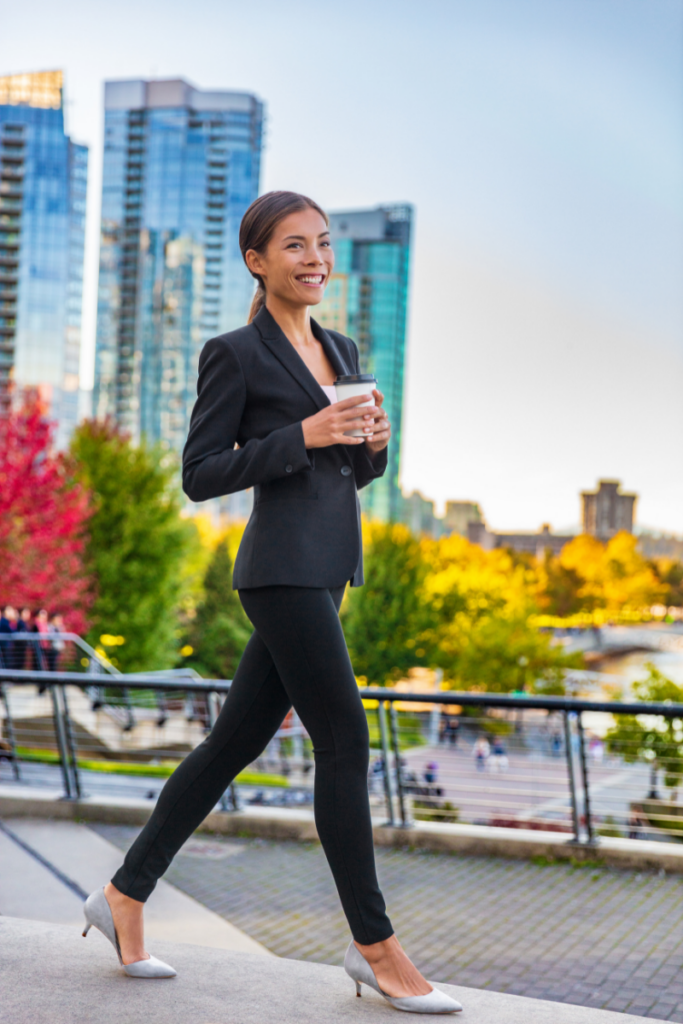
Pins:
x: 254, y: 262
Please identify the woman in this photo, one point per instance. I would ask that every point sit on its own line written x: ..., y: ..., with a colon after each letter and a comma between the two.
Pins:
x: 266, y: 418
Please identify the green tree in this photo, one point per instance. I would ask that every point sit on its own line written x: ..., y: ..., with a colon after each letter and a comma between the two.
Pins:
x: 137, y: 543
x: 500, y: 653
x: 653, y: 739
x: 386, y: 621
x: 219, y: 631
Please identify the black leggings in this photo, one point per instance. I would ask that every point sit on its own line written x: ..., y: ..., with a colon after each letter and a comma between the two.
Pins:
x: 297, y: 656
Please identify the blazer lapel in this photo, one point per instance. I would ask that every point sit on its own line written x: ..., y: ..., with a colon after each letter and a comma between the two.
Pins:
x: 332, y: 351
x: 284, y: 351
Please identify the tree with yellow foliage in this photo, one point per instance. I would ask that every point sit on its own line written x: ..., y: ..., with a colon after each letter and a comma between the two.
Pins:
x: 613, y: 576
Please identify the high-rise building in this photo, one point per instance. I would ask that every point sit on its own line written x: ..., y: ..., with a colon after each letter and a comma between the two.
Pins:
x: 367, y: 299
x: 181, y: 166
x: 43, y: 179
x: 607, y: 511
x: 459, y: 514
x: 417, y: 513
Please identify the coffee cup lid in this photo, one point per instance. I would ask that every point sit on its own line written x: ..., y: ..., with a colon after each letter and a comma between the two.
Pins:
x: 356, y: 378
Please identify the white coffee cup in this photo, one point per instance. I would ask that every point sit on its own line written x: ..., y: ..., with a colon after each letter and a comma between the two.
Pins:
x: 353, y: 385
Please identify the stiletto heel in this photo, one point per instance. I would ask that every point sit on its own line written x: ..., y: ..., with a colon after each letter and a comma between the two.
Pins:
x: 98, y: 912
x: 359, y: 970
x: 86, y: 930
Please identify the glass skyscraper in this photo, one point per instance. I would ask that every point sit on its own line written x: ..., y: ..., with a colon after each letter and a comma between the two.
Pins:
x: 181, y: 166
x: 43, y: 179
x: 367, y: 299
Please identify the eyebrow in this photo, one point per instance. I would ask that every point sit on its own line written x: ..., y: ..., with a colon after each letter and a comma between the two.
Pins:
x: 302, y: 238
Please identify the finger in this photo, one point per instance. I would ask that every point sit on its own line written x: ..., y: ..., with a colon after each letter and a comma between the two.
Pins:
x: 378, y: 396
x: 349, y: 403
x: 352, y: 424
x: 352, y: 412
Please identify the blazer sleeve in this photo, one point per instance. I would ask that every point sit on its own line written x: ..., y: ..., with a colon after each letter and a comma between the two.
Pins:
x: 366, y: 468
x: 212, y: 466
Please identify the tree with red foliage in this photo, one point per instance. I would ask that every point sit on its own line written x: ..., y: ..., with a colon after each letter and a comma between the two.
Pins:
x: 43, y: 515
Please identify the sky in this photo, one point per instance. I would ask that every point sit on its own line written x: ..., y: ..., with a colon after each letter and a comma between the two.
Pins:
x: 541, y: 143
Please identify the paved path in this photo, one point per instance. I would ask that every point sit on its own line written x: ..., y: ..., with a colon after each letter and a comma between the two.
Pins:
x: 50, y: 974
x: 590, y: 936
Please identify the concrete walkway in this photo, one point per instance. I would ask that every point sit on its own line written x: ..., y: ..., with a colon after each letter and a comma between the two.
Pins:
x: 28, y: 889
x: 49, y: 973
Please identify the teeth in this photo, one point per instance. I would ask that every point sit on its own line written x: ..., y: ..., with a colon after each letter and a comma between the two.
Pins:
x: 312, y: 280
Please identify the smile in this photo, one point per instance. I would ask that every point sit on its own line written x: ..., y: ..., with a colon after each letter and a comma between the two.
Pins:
x: 314, y: 280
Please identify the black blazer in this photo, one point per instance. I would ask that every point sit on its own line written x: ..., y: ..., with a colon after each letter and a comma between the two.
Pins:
x: 254, y: 390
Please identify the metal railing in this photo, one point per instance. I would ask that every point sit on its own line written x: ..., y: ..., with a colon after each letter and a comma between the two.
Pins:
x: 495, y: 759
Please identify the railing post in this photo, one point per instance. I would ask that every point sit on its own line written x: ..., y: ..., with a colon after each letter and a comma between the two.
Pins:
x: 234, y: 799
x: 405, y: 821
x: 382, y: 718
x: 70, y: 743
x: 61, y: 742
x: 435, y: 713
x: 570, y: 772
x: 11, y: 739
x: 212, y: 700
x: 297, y: 740
x: 584, y: 775
x: 129, y: 710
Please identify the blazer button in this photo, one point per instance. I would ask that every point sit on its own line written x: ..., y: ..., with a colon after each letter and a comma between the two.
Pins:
x: 346, y: 471
x: 288, y: 469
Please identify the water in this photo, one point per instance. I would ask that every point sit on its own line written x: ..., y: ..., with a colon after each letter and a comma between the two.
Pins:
x: 628, y: 668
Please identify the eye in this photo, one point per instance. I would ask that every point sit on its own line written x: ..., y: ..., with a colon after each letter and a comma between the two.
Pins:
x: 294, y: 245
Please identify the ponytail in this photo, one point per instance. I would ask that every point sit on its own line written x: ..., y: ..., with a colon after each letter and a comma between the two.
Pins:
x: 258, y: 225
x: 258, y: 301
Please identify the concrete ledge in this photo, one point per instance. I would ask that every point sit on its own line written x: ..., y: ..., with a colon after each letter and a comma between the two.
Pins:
x: 51, y: 974
x: 281, y: 824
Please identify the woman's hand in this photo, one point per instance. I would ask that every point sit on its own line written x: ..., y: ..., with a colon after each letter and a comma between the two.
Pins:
x: 329, y: 425
x: 381, y: 427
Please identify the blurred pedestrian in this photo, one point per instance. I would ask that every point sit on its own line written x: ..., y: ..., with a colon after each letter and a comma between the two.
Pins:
x: 449, y: 729
x: 41, y: 647
x: 596, y: 749
x: 431, y: 772
x: 556, y: 744
x: 8, y: 625
x: 20, y: 647
x: 376, y: 775
x: 55, y: 626
x: 482, y: 752
x: 499, y: 758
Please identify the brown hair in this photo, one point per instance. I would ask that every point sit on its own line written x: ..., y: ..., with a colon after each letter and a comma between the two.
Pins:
x: 258, y: 225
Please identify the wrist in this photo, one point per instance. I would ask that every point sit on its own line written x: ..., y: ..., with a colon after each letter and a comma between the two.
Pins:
x: 308, y: 433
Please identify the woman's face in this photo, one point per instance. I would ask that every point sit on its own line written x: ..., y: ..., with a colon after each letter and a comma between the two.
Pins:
x: 298, y: 261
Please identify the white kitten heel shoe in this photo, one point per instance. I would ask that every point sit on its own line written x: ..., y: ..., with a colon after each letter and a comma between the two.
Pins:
x: 360, y: 971
x: 98, y: 913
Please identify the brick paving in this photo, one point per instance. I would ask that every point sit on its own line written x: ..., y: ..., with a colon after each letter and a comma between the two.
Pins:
x: 588, y: 935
